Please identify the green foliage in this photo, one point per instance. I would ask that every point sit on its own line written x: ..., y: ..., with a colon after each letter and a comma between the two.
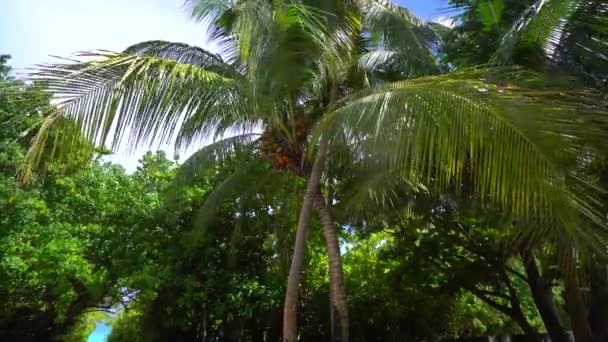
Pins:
x: 443, y: 185
x: 126, y: 327
x: 491, y: 13
x: 55, y: 251
x: 85, y: 325
x: 480, y: 26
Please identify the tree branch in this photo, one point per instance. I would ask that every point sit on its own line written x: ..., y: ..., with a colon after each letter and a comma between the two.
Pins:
x: 500, y: 307
x: 101, y: 309
x: 494, y: 294
x: 507, y: 281
x: 517, y: 274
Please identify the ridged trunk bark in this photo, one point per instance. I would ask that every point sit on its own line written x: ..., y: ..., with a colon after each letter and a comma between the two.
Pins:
x: 577, y: 310
x: 337, y: 291
x: 290, y: 309
x: 598, y: 301
x: 543, y: 298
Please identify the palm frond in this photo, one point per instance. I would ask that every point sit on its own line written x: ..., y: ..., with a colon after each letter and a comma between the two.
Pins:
x: 57, y: 139
x: 582, y: 49
x: 214, y: 13
x: 397, y: 29
x: 515, y: 140
x: 138, y: 97
x: 184, y: 54
x: 214, y: 154
x: 249, y: 180
x: 540, y: 25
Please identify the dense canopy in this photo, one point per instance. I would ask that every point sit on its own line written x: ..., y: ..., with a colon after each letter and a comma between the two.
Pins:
x: 361, y: 174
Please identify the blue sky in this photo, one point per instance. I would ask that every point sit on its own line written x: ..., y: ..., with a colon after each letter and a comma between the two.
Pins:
x: 100, y: 334
x: 32, y: 30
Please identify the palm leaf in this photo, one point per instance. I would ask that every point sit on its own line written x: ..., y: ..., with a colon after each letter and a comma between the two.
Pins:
x: 136, y: 96
x: 57, y: 139
x: 541, y: 24
x: 516, y: 140
x: 213, y: 154
x: 184, y: 54
x: 397, y: 29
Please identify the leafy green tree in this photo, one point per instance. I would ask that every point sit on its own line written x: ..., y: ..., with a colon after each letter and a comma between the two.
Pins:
x: 126, y: 326
x: 55, y: 243
x: 292, y: 60
x: 85, y: 325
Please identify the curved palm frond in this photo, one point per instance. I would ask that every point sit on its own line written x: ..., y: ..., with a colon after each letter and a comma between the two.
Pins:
x: 513, y: 141
x: 541, y: 24
x: 214, y: 13
x: 251, y: 30
x: 242, y: 186
x: 185, y: 54
x: 395, y: 28
x: 57, y: 139
x: 212, y: 154
x: 137, y: 96
x: 582, y: 49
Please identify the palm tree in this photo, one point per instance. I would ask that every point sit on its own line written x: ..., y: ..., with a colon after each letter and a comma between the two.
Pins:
x: 333, y: 68
x: 146, y: 90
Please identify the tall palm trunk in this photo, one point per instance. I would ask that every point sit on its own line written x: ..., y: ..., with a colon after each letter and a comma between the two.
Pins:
x: 575, y: 302
x: 290, y: 310
x: 598, y: 301
x: 339, y: 308
x: 577, y: 310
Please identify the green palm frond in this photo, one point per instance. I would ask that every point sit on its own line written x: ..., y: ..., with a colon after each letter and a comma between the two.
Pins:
x: 137, y: 96
x: 231, y: 188
x: 490, y: 13
x: 540, y: 25
x: 213, y: 154
x: 184, y: 54
x: 250, y: 31
x: 213, y: 13
x: 374, y: 192
x: 582, y: 49
x: 377, y: 58
x: 250, y: 178
x: 58, y: 139
x: 396, y: 28
x: 515, y: 140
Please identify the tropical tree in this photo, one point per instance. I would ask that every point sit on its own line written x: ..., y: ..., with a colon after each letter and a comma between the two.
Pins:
x: 217, y: 95
x: 322, y: 77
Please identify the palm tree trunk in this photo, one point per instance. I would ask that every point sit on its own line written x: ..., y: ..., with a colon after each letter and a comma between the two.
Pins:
x: 290, y: 310
x: 339, y: 307
x: 598, y: 301
x: 577, y: 310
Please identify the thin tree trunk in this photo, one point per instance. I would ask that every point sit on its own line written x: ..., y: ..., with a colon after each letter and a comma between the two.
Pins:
x: 598, y: 301
x: 577, y: 310
x: 543, y: 298
x: 337, y: 291
x: 290, y: 310
x: 519, y: 317
x: 575, y: 302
